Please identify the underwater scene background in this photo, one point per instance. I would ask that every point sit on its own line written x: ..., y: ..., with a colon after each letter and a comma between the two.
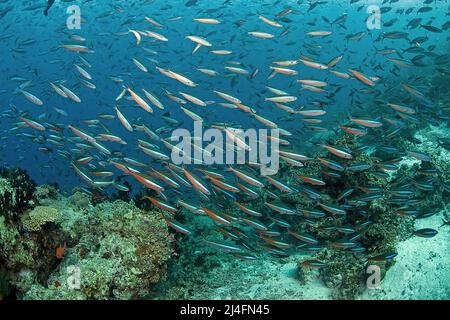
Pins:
x: 354, y: 98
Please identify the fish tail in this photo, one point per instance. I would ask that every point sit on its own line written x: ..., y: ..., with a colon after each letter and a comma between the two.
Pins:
x: 349, y: 115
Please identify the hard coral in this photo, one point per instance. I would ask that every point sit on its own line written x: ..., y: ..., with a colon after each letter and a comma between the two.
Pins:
x: 23, y: 243
x: 38, y: 217
x: 344, y: 273
x: 44, y: 193
x: 80, y: 200
x: 121, y: 252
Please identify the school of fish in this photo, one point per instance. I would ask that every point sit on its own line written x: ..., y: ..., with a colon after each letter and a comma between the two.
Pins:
x: 262, y: 87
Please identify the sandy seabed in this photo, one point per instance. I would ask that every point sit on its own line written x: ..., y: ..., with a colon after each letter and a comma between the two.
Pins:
x: 421, y: 271
x: 422, y: 267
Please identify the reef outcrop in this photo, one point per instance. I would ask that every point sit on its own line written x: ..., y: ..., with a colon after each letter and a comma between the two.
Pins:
x: 72, y: 249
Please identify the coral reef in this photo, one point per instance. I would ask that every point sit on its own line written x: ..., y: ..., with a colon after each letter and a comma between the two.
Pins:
x: 45, y: 193
x: 421, y: 270
x: 32, y: 254
x: 16, y: 192
x: 120, y: 252
x: 80, y: 200
x: 379, y: 227
x: 122, y: 249
x: 16, y: 250
x: 7, y: 197
x: 38, y: 217
x: 344, y: 273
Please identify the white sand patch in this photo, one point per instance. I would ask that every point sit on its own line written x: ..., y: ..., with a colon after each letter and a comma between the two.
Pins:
x: 422, y: 268
x: 284, y: 284
x: 421, y: 271
x: 267, y: 278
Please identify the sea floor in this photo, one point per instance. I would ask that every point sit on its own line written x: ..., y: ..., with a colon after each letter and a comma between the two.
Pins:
x: 421, y: 271
x: 422, y: 267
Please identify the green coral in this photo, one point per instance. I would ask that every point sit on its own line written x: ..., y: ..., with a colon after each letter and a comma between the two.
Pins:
x: 80, y: 200
x: 24, y: 280
x: 38, y: 217
x: 45, y: 193
x: 344, y: 273
x: 14, y: 249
